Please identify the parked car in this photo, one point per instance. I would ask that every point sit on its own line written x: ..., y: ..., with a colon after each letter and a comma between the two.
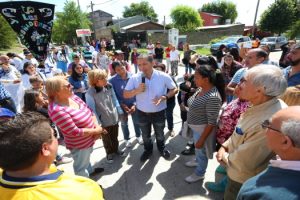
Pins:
x: 232, y: 41
x: 274, y: 42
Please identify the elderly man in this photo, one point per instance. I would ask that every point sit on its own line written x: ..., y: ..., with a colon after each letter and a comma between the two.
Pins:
x: 281, y: 179
x: 254, y: 57
x: 292, y: 73
x: 245, y: 153
x: 150, y: 88
x: 27, y: 150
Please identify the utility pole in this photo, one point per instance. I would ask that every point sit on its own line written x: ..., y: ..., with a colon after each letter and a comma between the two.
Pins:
x: 93, y: 20
x: 254, y: 23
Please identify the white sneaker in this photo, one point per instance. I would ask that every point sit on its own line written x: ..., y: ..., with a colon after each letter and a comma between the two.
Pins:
x: 193, y: 178
x: 192, y: 163
x: 140, y: 140
x: 128, y: 144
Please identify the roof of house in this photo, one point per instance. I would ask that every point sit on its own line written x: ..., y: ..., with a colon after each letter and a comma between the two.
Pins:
x: 219, y: 26
x: 140, y: 23
x: 101, y: 11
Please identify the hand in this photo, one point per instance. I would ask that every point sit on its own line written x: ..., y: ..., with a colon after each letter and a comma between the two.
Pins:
x: 104, y: 131
x: 125, y: 108
x: 220, y: 154
x: 132, y: 109
x: 141, y: 88
x: 17, y: 81
x: 158, y: 100
x: 199, y: 145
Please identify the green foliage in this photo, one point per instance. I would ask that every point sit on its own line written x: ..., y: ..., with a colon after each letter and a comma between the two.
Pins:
x: 185, y: 18
x: 7, y: 35
x: 143, y: 8
x: 217, y: 39
x: 295, y: 30
x: 224, y: 8
x: 66, y: 23
x: 279, y: 16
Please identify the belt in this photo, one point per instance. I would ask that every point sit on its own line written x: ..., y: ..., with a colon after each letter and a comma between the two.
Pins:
x: 151, y: 113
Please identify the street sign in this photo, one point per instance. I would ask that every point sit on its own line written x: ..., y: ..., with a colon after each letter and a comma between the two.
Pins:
x: 83, y: 32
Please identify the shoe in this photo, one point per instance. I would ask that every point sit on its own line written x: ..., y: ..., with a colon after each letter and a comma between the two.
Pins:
x: 221, y: 170
x: 192, y: 163
x: 128, y: 144
x: 171, y: 133
x: 145, y: 156
x: 165, y: 154
x: 121, y: 153
x: 63, y: 160
x: 193, y: 178
x: 140, y: 140
x: 217, y: 187
x: 109, y: 158
x: 97, y: 171
x: 188, y: 151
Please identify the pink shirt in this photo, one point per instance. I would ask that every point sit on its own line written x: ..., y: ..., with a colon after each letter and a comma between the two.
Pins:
x: 71, y: 123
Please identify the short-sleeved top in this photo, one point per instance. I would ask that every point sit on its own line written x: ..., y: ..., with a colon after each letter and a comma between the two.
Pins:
x: 156, y: 87
x: 292, y: 80
x: 71, y: 123
x: 238, y: 75
x: 4, y: 94
x: 204, y: 109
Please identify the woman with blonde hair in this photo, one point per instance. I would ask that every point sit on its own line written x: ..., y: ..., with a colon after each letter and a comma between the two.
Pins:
x: 76, y: 121
x: 292, y: 96
x: 102, y: 99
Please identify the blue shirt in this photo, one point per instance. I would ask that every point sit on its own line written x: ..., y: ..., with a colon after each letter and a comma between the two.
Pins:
x: 4, y: 94
x: 292, y: 80
x: 156, y: 87
x: 119, y: 85
x: 238, y: 75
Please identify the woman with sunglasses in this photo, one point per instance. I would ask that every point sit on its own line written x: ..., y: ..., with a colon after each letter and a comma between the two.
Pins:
x: 245, y: 153
x: 76, y: 121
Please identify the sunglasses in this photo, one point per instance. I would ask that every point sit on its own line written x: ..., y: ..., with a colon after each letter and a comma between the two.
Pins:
x: 267, y: 125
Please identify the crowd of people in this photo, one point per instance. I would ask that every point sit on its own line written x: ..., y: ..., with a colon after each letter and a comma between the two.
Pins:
x: 244, y: 107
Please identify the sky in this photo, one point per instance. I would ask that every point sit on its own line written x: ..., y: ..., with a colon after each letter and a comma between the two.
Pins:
x: 245, y: 8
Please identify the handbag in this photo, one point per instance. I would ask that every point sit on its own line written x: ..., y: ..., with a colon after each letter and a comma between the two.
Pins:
x: 186, y: 131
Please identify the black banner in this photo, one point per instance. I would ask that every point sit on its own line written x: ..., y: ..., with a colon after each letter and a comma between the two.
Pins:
x: 33, y: 22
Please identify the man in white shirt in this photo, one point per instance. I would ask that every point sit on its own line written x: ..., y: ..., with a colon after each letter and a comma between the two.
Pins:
x: 29, y: 58
x: 15, y: 60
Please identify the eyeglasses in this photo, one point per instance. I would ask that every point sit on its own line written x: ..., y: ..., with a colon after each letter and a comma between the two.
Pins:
x: 267, y: 125
x: 68, y: 85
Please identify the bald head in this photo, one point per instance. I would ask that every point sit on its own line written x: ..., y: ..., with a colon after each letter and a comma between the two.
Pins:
x: 4, y: 59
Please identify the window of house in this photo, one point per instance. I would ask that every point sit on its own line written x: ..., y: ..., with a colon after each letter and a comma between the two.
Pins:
x: 215, y: 21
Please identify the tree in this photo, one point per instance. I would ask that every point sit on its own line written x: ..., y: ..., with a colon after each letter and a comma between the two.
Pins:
x: 7, y: 35
x: 143, y: 8
x: 295, y: 30
x: 185, y: 18
x: 66, y: 23
x: 279, y: 16
x: 221, y: 7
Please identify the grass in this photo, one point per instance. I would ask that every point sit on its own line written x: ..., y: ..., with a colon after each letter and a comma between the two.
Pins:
x: 201, y: 51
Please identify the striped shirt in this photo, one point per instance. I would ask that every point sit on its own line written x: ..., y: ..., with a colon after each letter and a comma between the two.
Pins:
x: 71, y: 123
x: 204, y: 109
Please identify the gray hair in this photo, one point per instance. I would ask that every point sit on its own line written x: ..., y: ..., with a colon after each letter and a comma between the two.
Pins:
x: 270, y: 78
x: 291, y: 128
x: 149, y: 58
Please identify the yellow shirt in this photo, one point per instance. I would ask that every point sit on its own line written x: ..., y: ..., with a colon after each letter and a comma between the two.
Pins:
x: 55, y: 186
x: 248, y: 153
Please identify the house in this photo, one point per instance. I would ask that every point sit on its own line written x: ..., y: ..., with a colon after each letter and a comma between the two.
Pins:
x: 122, y: 22
x: 101, y: 21
x: 210, y: 19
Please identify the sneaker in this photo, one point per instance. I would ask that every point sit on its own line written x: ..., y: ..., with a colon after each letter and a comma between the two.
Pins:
x: 221, y: 170
x: 188, y: 151
x: 171, y: 133
x: 121, y: 153
x: 217, y: 187
x: 145, y: 156
x: 109, y: 158
x: 128, y: 144
x: 140, y: 140
x: 63, y: 160
x: 96, y: 171
x: 192, y: 163
x: 193, y: 178
x: 165, y: 154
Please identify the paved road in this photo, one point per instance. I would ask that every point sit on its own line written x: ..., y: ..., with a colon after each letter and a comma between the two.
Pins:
x: 129, y: 179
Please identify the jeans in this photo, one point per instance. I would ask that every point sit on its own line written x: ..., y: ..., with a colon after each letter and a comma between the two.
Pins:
x: 168, y: 65
x: 169, y: 114
x: 136, y: 68
x: 124, y: 125
x: 188, y: 68
x: 156, y: 119
x: 201, y: 157
x: 81, y: 164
